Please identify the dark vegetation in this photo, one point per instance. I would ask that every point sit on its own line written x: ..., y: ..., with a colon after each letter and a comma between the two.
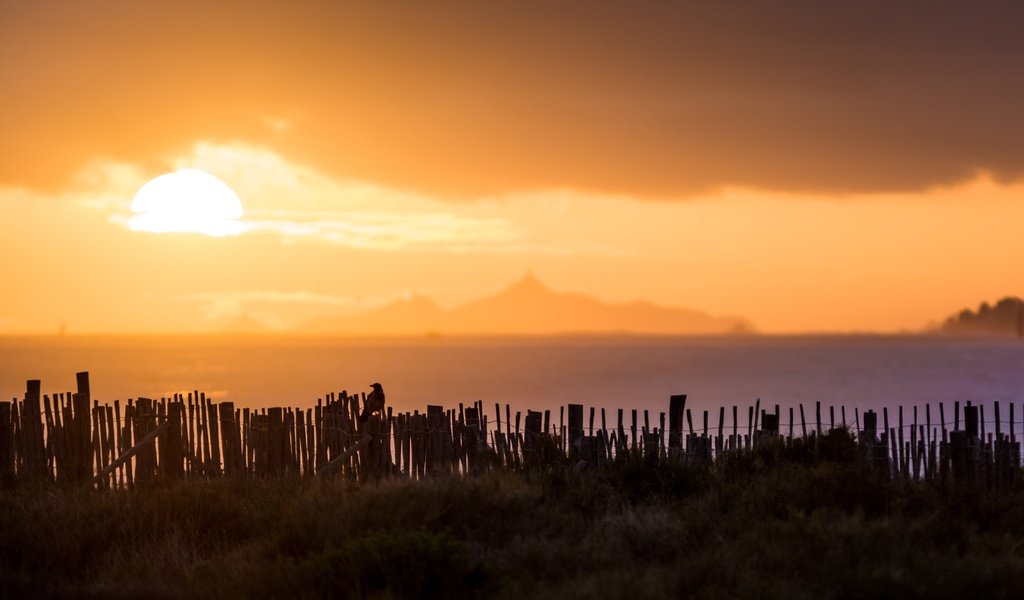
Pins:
x: 776, y: 522
x: 1005, y: 317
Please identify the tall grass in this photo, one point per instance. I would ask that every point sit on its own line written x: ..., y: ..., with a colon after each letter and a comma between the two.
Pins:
x: 758, y: 524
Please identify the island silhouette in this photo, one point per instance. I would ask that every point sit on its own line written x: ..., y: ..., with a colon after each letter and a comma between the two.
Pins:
x: 528, y: 307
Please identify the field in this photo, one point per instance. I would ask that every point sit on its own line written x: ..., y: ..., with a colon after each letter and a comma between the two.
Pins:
x: 755, y: 524
x: 186, y: 498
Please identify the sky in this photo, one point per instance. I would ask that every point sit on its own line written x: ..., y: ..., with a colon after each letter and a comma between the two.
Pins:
x: 809, y: 166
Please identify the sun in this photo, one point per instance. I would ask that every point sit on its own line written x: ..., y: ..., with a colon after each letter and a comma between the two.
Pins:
x: 187, y: 201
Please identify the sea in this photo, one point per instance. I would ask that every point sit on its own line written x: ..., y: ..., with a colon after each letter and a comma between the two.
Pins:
x: 539, y: 373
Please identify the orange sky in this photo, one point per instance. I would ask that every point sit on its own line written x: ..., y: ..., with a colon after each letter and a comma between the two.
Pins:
x: 809, y: 167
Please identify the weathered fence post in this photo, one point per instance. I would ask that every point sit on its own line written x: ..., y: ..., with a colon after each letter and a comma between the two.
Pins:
x: 769, y: 427
x: 32, y: 431
x: 229, y: 437
x: 145, y: 464
x: 869, y: 441
x: 82, y: 401
x: 965, y: 447
x: 435, y: 438
x: 575, y: 430
x: 276, y: 441
x: 6, y: 445
x: 171, y: 458
x: 471, y: 439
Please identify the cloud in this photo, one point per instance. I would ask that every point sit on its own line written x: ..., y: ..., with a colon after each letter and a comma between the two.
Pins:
x: 235, y: 303
x: 277, y: 310
x: 278, y: 124
x: 382, y: 231
x: 300, y: 204
x: 652, y: 100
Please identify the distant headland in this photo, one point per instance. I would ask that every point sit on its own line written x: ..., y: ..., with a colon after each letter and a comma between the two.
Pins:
x: 1004, y: 318
x: 529, y: 307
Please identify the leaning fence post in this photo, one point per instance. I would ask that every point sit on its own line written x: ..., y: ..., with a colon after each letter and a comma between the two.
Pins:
x: 143, y: 443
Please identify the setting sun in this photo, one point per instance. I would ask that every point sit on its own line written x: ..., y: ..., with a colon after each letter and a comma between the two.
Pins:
x: 187, y: 201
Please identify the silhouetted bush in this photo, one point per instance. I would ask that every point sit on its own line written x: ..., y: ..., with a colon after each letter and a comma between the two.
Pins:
x: 408, y: 564
x: 784, y: 521
x: 838, y: 446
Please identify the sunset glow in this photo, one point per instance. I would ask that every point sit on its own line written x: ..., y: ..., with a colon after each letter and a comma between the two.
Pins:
x: 834, y: 184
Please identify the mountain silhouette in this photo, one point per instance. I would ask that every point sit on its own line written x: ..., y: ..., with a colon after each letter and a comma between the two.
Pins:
x: 529, y: 307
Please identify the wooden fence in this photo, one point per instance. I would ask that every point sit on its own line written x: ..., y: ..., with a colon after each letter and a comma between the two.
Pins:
x: 69, y: 437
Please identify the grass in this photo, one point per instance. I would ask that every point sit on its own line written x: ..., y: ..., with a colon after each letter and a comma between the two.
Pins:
x: 765, y: 524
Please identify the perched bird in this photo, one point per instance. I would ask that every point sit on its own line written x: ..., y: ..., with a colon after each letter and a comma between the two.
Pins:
x: 374, y: 402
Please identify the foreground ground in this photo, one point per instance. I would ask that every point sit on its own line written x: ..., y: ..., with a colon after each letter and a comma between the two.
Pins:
x: 745, y: 529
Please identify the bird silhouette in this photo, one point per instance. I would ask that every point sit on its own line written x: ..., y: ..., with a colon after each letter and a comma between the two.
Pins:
x: 374, y: 402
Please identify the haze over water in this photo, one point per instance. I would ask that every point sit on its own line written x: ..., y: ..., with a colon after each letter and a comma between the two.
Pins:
x: 537, y: 373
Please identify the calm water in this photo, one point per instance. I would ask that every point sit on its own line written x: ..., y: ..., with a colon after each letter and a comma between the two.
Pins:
x: 867, y: 372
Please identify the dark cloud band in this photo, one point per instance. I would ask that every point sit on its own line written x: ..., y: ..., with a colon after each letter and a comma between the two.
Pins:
x: 654, y: 99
